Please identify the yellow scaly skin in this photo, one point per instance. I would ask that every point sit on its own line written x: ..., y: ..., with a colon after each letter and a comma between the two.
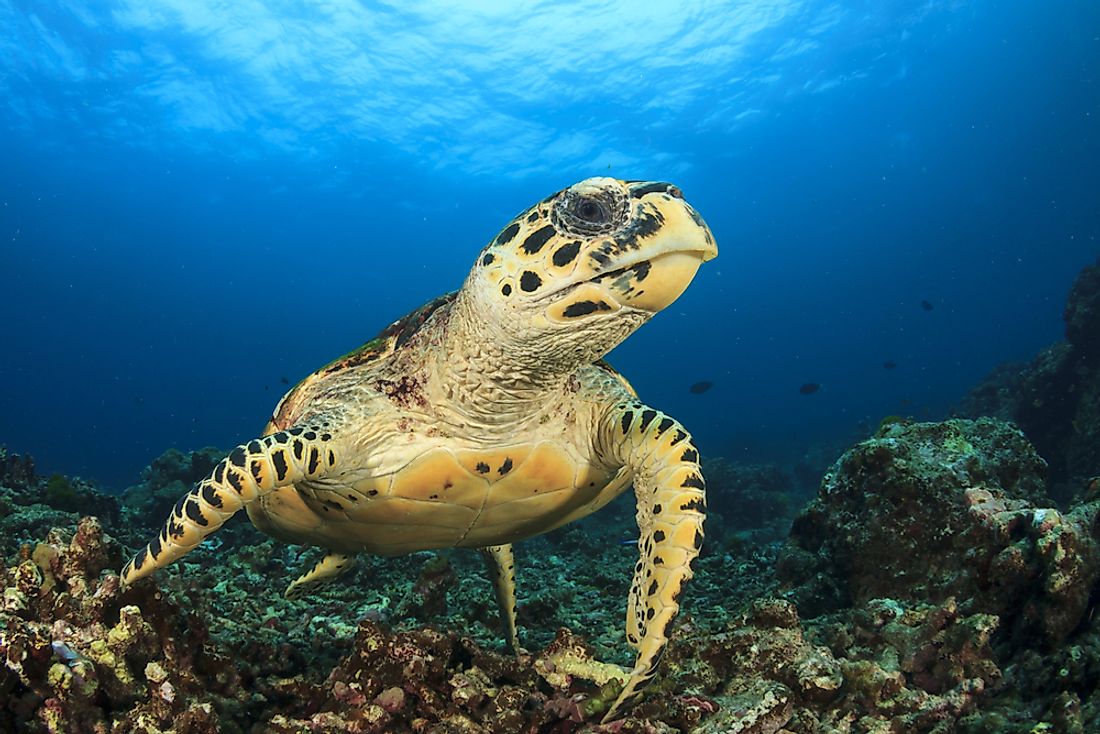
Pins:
x: 487, y: 416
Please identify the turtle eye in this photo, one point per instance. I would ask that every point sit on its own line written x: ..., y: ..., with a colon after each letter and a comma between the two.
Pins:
x: 589, y: 213
x: 591, y: 210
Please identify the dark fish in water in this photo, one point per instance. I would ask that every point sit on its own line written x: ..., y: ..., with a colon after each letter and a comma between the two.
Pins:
x: 889, y: 364
x: 926, y: 305
x: 700, y: 387
x: 284, y: 381
x: 809, y: 388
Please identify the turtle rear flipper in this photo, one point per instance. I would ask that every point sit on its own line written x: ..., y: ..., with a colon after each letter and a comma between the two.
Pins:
x: 501, y: 566
x: 324, y: 572
x: 249, y: 472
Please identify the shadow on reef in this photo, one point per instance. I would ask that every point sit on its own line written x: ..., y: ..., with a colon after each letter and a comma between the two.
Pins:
x: 930, y: 586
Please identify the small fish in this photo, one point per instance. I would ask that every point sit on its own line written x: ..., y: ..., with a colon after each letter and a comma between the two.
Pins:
x: 889, y: 364
x: 926, y: 305
x: 284, y: 380
x: 809, y: 388
x: 700, y: 387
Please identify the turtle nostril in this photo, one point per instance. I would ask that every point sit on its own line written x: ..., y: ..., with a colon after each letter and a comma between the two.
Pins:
x: 675, y: 191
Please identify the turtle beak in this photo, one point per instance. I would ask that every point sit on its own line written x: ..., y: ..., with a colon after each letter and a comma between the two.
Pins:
x: 667, y: 262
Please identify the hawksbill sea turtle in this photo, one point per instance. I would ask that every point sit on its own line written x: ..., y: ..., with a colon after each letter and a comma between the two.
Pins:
x: 488, y: 416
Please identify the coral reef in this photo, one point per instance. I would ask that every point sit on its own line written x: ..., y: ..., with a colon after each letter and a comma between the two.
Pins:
x: 931, y: 585
x: 935, y: 543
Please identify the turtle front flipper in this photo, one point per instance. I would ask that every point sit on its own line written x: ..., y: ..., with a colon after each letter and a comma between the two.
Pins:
x: 501, y: 565
x: 250, y: 471
x: 671, y: 500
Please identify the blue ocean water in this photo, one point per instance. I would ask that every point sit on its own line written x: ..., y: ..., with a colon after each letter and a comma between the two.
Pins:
x: 201, y: 201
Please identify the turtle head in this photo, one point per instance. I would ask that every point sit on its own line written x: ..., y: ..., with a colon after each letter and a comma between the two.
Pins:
x: 575, y: 274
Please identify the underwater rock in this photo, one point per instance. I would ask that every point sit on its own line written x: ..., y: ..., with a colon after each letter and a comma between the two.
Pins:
x: 169, y: 477
x: 1056, y: 398
x: 427, y: 597
x: 931, y: 511
x: 16, y: 471
x: 1082, y: 312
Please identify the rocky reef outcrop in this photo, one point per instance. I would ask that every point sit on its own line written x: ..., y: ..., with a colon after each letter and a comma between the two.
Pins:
x: 1055, y: 398
x: 932, y: 535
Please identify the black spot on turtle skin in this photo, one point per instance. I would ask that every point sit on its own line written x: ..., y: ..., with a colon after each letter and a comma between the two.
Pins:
x: 658, y: 536
x: 628, y: 418
x: 299, y: 449
x: 482, y: 467
x: 529, y: 282
x: 566, y: 253
x: 278, y: 459
x: 326, y: 436
x: 237, y: 457
x: 257, y: 469
x: 139, y: 559
x: 657, y: 509
x: 506, y: 290
x: 219, y: 472
x: 652, y: 588
x: 698, y: 540
x: 309, y: 436
x: 533, y: 216
x: 583, y: 308
x: 694, y: 504
x: 537, y: 239
x: 254, y: 447
x: 314, y: 460
x: 658, y: 561
x: 234, y: 480
x: 693, y: 480
x: 173, y: 529
x: 210, y: 495
x: 155, y: 548
x: 372, y: 493
x: 508, y: 233
x: 641, y: 270
x: 647, y: 417
x: 488, y: 259
x: 680, y: 436
x: 648, y: 223
x: 331, y: 458
x: 664, y: 425
x: 656, y: 660
x: 194, y: 512
x: 690, y: 454
x: 296, y: 431
x: 280, y: 437
x: 649, y: 613
x: 505, y: 467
